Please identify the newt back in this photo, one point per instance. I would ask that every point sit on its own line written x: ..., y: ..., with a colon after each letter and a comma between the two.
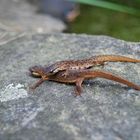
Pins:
x: 87, y: 63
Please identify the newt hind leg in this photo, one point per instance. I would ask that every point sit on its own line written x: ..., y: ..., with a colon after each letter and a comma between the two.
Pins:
x: 78, y: 88
x: 110, y: 76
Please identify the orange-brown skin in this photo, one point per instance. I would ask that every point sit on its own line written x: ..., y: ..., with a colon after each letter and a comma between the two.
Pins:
x: 77, y: 77
x: 86, y: 63
x: 75, y: 71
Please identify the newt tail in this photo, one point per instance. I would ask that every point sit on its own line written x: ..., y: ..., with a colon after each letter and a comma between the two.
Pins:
x: 113, y: 58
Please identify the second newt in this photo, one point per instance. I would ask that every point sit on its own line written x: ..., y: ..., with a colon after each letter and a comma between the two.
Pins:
x: 86, y: 63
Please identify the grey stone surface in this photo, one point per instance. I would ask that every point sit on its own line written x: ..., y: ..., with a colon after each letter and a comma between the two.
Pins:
x: 18, y: 15
x: 106, y: 110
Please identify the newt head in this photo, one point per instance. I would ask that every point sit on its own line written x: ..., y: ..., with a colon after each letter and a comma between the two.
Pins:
x: 38, y: 71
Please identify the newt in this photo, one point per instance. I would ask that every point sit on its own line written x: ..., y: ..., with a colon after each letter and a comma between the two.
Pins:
x: 86, y: 63
x: 77, y: 77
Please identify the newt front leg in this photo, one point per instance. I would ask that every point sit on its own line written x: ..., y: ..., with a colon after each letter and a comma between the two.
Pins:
x: 38, y: 72
x: 37, y: 84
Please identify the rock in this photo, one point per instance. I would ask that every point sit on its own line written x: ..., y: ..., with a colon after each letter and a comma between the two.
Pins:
x: 106, y: 111
x: 18, y: 15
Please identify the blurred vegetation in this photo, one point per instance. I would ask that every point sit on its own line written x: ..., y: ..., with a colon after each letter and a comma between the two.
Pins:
x: 101, y: 21
x: 127, y: 6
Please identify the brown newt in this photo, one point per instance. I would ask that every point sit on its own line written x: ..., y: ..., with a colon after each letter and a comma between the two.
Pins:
x: 86, y: 63
x: 77, y: 77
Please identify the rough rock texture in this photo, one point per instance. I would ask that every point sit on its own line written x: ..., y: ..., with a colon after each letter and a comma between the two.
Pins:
x: 18, y: 15
x: 106, y: 110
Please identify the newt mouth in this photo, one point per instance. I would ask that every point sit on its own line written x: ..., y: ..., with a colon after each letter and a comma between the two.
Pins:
x: 34, y: 74
x: 34, y: 71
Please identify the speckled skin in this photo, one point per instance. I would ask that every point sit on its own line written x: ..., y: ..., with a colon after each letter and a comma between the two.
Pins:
x: 76, y: 71
x: 86, y: 63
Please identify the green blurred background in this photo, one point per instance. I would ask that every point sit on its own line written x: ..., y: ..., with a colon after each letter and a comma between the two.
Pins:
x: 101, y: 21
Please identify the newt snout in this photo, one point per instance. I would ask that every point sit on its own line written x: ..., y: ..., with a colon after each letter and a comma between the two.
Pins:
x: 36, y: 71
